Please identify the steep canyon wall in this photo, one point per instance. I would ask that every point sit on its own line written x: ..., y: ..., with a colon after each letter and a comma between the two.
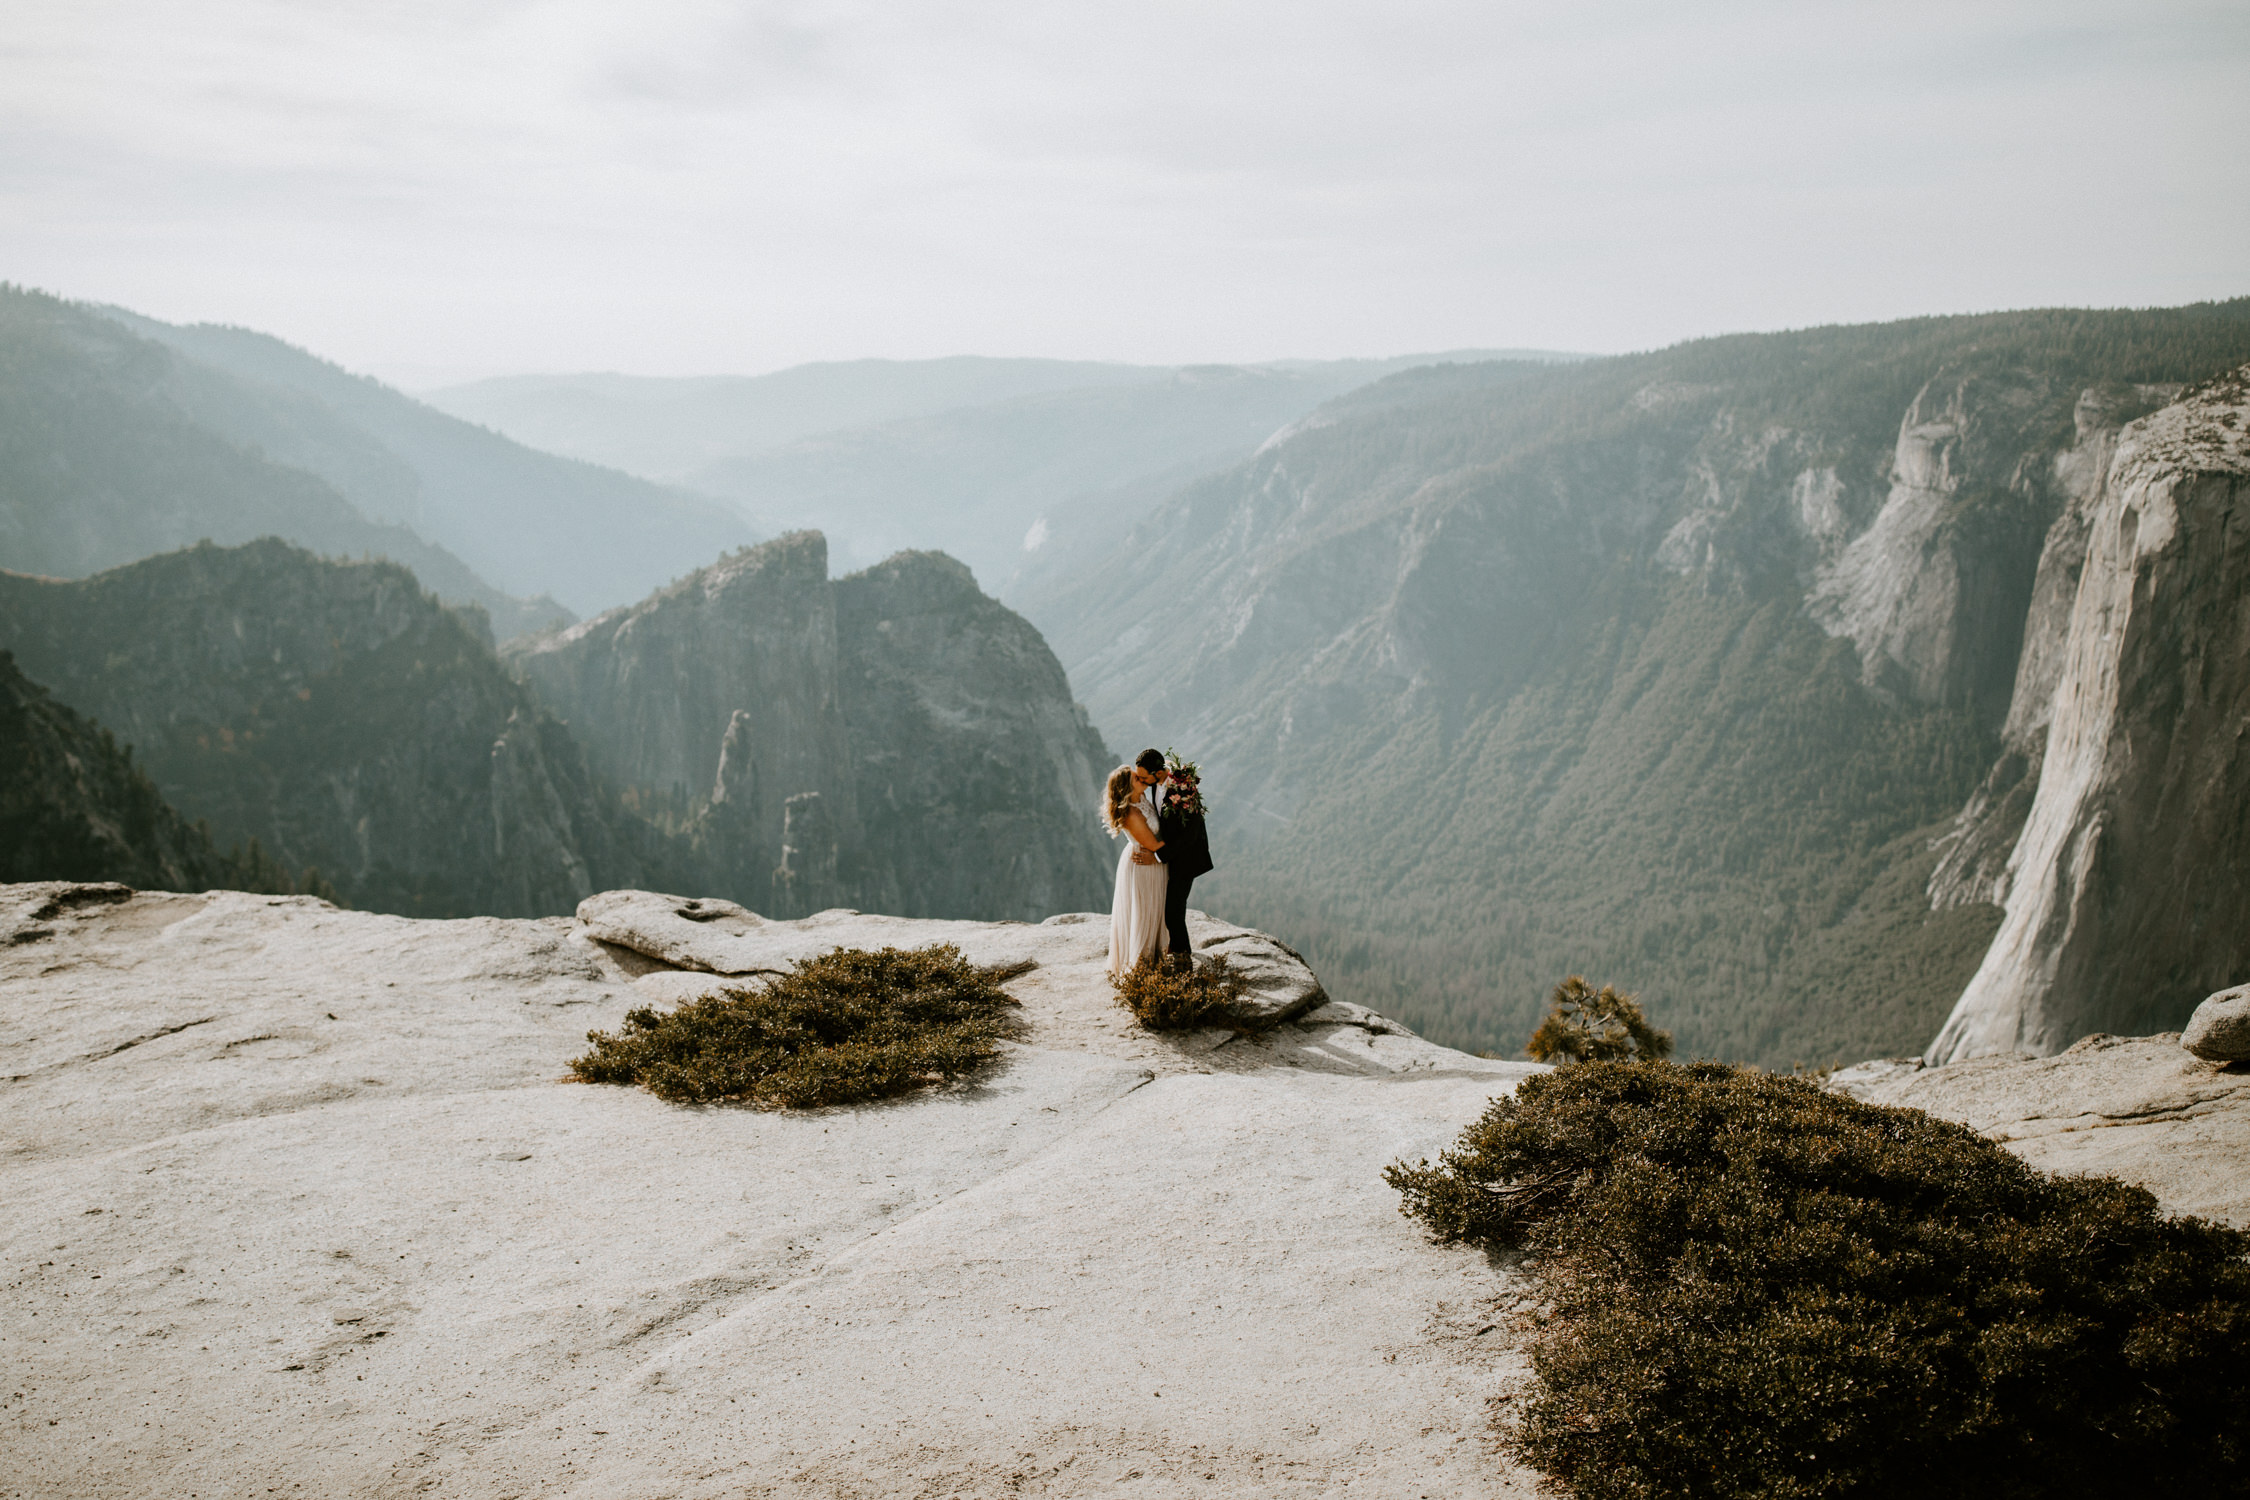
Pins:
x: 893, y: 740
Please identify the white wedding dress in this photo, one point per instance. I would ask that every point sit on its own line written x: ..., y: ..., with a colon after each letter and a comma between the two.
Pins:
x: 1136, y: 911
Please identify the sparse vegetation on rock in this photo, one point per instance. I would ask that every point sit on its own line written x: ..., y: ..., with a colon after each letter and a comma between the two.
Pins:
x: 1168, y: 995
x: 1762, y: 1289
x: 1584, y: 1024
x: 847, y: 1026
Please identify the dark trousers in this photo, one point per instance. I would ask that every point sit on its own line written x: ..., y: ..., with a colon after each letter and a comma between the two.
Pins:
x: 1175, y: 911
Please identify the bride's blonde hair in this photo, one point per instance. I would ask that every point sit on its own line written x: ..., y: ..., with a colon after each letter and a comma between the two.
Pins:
x: 1117, y: 796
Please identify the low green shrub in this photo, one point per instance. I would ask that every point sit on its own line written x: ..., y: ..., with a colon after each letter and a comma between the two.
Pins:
x: 1166, y: 994
x: 1588, y: 1025
x: 846, y: 1026
x: 1762, y: 1289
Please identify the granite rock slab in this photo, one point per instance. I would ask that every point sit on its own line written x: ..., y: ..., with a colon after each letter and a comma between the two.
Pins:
x: 303, y: 1200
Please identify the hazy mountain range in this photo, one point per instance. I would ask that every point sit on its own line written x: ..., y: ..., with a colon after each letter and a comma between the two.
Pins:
x: 528, y: 521
x: 998, y: 462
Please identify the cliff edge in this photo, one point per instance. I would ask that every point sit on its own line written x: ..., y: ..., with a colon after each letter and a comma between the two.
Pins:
x: 303, y: 1198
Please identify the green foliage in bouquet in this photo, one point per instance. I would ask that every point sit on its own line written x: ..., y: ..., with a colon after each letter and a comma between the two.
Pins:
x: 1588, y: 1025
x: 1165, y: 994
x: 843, y: 1027
x: 1762, y: 1289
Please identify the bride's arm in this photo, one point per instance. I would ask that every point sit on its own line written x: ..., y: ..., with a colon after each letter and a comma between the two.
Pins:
x: 1136, y: 825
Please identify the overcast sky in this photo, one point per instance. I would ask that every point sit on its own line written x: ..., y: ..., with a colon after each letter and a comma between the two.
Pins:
x: 433, y: 191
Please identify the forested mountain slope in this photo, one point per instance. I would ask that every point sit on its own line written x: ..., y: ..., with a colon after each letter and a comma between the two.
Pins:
x: 73, y: 806
x: 531, y: 522
x: 113, y: 447
x: 340, y: 716
x: 1669, y: 669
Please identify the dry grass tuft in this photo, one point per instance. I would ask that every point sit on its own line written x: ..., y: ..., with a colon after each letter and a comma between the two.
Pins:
x: 1166, y: 994
x: 843, y: 1027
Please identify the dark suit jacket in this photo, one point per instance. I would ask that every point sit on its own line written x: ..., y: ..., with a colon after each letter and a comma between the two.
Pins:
x: 1187, y: 848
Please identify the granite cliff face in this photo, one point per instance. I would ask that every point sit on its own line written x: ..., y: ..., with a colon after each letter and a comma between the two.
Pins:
x: 1932, y: 593
x: 651, y: 689
x: 974, y: 773
x: 893, y: 740
x: 2128, y: 889
x: 337, y: 714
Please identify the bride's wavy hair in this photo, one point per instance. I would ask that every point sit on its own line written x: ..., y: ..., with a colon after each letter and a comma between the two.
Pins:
x: 1117, y: 796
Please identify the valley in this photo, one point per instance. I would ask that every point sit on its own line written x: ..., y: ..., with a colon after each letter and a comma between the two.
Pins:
x: 1724, y: 673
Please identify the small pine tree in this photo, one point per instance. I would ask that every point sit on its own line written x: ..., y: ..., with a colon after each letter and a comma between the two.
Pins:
x: 1588, y: 1025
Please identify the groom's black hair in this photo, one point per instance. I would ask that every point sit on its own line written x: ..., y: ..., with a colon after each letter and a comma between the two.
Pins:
x: 1150, y: 760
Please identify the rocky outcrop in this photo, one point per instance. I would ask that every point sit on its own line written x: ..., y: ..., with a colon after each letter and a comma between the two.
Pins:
x: 736, y: 659
x: 974, y: 773
x: 893, y: 740
x: 299, y: 1197
x: 2219, y: 1031
x: 2128, y: 890
x: 340, y: 717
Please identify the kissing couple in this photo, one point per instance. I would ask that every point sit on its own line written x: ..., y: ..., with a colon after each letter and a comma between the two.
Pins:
x: 1157, y: 804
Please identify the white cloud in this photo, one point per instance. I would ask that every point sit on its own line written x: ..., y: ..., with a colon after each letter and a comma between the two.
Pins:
x: 689, y: 185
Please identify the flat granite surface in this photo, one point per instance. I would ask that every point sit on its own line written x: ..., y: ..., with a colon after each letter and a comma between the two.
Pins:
x: 301, y: 1201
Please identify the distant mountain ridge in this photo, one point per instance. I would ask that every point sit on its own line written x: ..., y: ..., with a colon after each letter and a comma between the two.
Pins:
x: 671, y: 427
x: 532, y: 522
x: 114, y: 447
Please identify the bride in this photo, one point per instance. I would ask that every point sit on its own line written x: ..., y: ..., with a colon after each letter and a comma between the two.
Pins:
x: 1136, y: 912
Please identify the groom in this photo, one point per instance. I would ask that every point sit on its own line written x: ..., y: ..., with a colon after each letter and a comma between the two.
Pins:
x: 1186, y: 852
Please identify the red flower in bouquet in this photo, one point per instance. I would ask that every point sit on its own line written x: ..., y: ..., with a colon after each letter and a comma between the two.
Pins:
x: 1184, y: 793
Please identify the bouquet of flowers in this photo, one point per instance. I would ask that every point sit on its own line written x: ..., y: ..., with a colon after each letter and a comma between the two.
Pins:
x: 1185, y: 793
